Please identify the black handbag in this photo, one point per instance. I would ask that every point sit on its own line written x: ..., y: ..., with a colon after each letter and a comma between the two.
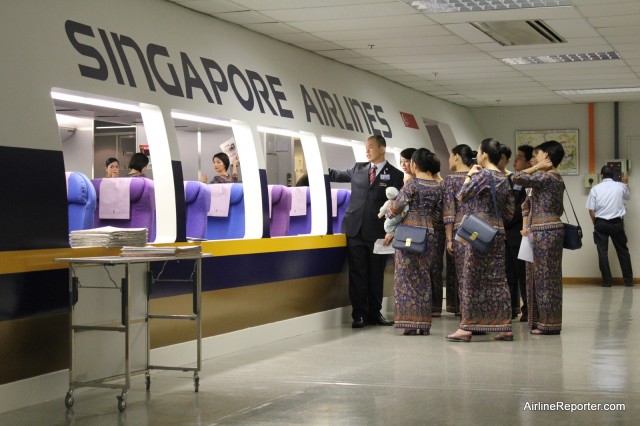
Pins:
x: 478, y: 232
x: 572, y: 233
x: 410, y: 238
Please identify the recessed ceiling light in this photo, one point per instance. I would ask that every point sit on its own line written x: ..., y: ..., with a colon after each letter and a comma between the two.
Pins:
x: 115, y: 127
x: 597, y: 91
x: 446, y: 6
x: 552, y: 59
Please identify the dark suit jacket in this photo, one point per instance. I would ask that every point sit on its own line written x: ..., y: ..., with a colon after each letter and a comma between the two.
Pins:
x: 364, y: 205
x: 514, y: 226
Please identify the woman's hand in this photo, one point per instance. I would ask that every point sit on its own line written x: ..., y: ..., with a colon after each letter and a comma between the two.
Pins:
x: 450, y: 246
x: 388, y: 238
x: 524, y: 232
x: 544, y: 165
x: 474, y: 170
x: 204, y: 179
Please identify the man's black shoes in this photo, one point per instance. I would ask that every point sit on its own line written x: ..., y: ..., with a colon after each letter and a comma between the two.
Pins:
x: 379, y: 320
x: 358, y: 323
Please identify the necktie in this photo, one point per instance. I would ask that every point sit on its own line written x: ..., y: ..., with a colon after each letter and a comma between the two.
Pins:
x: 372, y: 174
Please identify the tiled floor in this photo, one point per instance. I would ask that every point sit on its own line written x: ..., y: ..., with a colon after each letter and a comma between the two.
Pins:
x: 375, y: 376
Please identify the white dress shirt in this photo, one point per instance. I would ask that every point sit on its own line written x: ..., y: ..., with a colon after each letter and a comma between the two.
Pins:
x: 379, y: 166
x: 606, y: 199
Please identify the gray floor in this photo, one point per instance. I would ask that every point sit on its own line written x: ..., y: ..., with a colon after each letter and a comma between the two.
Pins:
x: 375, y: 376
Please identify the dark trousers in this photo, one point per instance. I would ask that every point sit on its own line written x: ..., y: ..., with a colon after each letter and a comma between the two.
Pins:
x: 603, y: 229
x: 516, y: 271
x: 366, y: 278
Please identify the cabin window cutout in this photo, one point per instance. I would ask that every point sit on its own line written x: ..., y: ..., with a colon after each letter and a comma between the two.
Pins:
x: 286, y: 166
x: 339, y: 157
x: 154, y: 196
x: 91, y: 134
x: 92, y: 137
x: 441, y: 136
x: 214, y: 192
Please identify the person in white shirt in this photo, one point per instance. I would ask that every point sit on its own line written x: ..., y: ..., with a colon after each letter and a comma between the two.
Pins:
x: 606, y: 208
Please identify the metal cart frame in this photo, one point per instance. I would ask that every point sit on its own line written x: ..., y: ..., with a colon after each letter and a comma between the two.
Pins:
x: 125, y: 322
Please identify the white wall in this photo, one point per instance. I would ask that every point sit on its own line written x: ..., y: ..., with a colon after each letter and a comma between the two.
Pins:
x: 210, y: 145
x: 502, y: 123
x: 77, y: 148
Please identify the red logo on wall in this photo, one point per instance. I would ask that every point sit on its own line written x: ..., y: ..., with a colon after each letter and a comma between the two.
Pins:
x: 409, y: 120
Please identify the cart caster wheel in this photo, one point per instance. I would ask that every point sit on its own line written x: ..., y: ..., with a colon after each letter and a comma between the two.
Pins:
x: 147, y: 381
x: 69, y: 400
x: 122, y: 403
x: 196, y: 383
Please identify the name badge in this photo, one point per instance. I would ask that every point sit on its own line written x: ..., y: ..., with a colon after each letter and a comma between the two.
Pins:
x: 383, y: 185
x: 517, y: 187
x: 385, y: 177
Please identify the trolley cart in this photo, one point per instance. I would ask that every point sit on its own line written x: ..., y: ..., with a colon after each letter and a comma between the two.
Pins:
x: 109, y: 321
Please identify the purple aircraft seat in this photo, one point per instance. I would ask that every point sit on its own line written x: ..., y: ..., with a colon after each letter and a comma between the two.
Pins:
x: 197, y: 199
x: 141, y: 210
x: 231, y: 225
x: 280, y: 209
x: 342, y: 197
x: 81, y: 197
x: 300, y: 220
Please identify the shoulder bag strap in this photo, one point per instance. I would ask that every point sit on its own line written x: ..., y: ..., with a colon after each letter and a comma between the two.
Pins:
x: 493, y: 195
x: 574, y: 212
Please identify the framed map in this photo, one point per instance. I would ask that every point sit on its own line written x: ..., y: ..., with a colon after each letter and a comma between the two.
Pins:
x: 568, y: 138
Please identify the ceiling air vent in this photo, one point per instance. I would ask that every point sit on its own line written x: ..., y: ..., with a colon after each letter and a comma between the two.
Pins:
x: 516, y: 33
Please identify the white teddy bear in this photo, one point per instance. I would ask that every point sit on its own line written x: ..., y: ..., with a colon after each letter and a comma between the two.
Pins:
x: 391, y: 224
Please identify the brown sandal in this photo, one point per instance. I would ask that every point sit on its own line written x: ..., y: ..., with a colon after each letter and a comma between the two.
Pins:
x: 507, y: 337
x: 538, y: 332
x: 458, y: 336
x: 410, y: 332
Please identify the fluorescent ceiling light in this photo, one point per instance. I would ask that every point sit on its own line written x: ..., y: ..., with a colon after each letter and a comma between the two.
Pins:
x: 555, y: 59
x: 446, y: 6
x: 199, y: 119
x: 597, y: 91
x: 281, y: 132
x: 115, y: 127
x: 340, y: 141
x: 94, y: 101
x: 336, y: 141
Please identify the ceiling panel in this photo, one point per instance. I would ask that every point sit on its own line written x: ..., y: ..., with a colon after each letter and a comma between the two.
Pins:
x: 614, y: 21
x: 444, y: 55
x: 293, y: 4
x: 208, y: 6
x: 270, y: 28
x: 243, y: 17
x: 345, y: 12
x: 404, y: 42
x: 377, y: 33
x: 605, y: 8
x: 377, y: 52
x: 335, y: 24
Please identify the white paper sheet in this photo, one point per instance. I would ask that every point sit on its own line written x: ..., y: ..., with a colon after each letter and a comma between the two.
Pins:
x: 380, y: 248
x: 526, y: 251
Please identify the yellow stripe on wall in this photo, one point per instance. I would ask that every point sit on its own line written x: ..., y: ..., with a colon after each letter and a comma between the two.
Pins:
x: 12, y: 262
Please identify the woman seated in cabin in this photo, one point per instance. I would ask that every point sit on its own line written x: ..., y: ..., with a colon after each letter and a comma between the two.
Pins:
x: 112, y: 166
x: 221, y: 166
x: 138, y: 165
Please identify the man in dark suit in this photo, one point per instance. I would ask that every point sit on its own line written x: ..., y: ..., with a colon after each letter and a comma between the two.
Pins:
x: 362, y: 227
x: 516, y: 269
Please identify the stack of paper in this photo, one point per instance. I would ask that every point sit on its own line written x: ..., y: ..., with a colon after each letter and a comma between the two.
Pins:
x: 109, y: 237
x: 160, y: 251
